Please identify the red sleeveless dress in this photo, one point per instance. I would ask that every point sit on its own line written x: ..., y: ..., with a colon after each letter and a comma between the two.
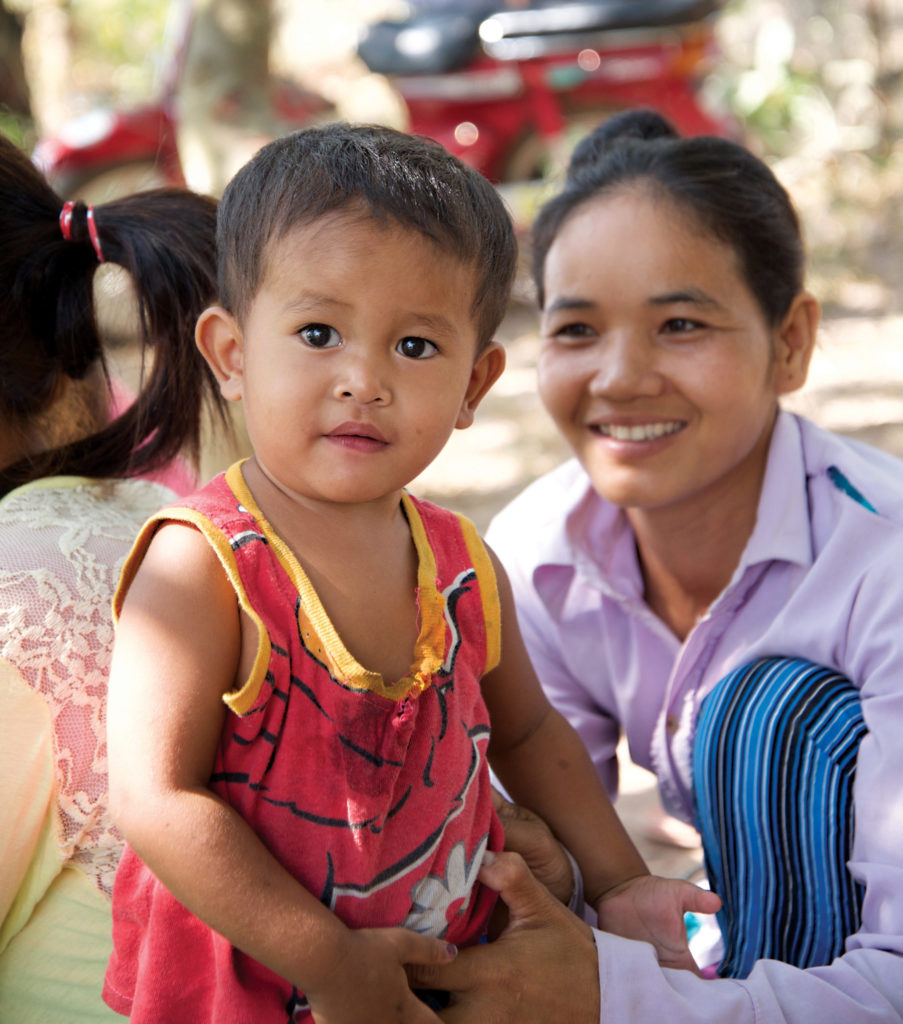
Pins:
x: 375, y: 795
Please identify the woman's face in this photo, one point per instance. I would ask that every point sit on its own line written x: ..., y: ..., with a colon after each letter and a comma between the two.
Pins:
x: 657, y: 364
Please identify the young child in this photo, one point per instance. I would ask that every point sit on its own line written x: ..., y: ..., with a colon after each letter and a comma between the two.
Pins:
x: 307, y: 657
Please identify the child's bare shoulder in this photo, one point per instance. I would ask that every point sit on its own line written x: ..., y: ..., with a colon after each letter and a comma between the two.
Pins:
x: 181, y: 570
x: 182, y: 612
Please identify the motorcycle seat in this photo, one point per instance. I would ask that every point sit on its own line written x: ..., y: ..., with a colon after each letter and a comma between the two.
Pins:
x: 431, y: 43
x: 573, y: 18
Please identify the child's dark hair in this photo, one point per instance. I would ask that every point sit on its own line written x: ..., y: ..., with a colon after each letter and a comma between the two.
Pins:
x: 732, y: 194
x: 392, y: 176
x: 165, y: 239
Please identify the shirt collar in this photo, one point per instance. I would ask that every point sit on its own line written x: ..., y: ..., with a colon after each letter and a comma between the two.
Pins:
x: 592, y: 542
x: 782, y: 532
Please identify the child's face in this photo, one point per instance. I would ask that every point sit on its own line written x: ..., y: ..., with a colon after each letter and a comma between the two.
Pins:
x: 357, y: 359
x: 657, y: 363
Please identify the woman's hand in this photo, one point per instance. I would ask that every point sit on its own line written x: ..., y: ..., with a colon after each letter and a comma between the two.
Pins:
x: 543, y: 967
x: 527, y: 834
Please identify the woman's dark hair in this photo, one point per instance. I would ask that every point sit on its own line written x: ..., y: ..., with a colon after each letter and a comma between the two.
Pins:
x: 165, y: 239
x: 732, y: 194
x: 390, y: 175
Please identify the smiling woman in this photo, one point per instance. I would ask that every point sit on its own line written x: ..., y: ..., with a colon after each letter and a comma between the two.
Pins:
x: 714, y: 577
x: 661, y: 370
x: 657, y: 363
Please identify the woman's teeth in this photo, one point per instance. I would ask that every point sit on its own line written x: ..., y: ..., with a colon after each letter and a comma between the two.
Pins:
x: 638, y: 432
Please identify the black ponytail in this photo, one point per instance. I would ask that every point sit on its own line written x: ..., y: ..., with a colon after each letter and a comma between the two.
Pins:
x: 165, y: 240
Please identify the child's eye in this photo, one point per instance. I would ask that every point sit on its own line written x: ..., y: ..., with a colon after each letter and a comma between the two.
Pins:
x: 416, y: 348
x: 320, y: 336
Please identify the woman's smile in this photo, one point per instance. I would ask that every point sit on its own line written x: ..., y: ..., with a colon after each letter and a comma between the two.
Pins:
x: 638, y: 432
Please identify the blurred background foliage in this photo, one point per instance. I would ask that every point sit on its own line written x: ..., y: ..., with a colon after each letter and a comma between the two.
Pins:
x: 817, y: 86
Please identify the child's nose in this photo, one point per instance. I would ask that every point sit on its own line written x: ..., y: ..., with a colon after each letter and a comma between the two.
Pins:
x: 363, y: 380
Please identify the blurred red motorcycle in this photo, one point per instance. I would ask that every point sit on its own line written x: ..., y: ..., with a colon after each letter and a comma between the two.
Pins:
x: 115, y: 152
x: 503, y: 90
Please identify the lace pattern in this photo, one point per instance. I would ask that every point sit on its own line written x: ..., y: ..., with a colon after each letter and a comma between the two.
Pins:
x: 61, y: 550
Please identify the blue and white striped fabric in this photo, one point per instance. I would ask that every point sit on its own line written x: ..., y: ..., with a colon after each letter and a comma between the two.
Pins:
x: 773, y: 765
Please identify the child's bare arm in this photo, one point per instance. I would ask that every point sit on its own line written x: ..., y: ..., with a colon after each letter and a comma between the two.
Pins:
x: 177, y: 651
x: 543, y: 764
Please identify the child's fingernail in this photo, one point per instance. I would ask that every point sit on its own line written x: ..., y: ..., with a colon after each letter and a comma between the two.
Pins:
x: 451, y: 949
x: 488, y: 857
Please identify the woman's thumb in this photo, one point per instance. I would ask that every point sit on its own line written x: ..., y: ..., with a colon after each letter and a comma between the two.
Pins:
x: 509, y: 876
x: 414, y: 948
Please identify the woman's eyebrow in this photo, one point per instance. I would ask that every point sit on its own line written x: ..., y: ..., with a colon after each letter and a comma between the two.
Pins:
x: 696, y: 296
x: 568, y: 302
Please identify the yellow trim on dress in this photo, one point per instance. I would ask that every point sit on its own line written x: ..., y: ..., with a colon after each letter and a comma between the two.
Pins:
x: 242, y: 700
x: 316, y: 627
x: 317, y: 631
x: 489, y: 592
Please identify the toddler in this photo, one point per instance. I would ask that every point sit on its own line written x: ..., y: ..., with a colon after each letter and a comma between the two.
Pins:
x: 308, y: 657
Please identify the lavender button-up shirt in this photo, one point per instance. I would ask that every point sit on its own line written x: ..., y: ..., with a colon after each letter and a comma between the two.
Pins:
x: 821, y: 578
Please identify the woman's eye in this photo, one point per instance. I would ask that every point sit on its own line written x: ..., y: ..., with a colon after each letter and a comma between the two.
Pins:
x: 416, y: 348
x: 681, y: 325
x: 572, y: 332
x: 320, y: 336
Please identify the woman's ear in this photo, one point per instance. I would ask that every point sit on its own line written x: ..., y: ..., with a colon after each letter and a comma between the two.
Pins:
x: 795, y: 343
x: 486, y: 371
x: 219, y: 339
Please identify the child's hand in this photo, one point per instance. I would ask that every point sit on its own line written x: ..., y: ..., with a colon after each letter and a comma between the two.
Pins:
x: 652, y: 910
x: 369, y: 983
x: 527, y: 834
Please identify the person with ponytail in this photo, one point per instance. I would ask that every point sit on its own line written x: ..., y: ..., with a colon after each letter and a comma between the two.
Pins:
x: 75, y: 459
x: 717, y: 580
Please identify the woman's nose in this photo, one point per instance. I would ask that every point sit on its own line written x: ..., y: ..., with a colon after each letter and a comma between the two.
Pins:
x: 625, y: 367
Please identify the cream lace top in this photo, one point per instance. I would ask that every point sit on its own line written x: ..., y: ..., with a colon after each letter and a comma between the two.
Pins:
x: 62, y: 544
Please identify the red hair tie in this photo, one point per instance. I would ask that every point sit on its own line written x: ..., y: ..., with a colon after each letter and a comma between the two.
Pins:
x: 66, y: 220
x: 92, y: 231
x: 66, y: 227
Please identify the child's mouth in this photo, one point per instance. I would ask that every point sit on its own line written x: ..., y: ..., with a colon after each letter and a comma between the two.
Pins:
x: 363, y: 437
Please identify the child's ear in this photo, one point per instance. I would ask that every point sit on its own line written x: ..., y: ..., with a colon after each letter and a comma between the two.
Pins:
x: 795, y: 343
x: 486, y: 371
x: 219, y: 339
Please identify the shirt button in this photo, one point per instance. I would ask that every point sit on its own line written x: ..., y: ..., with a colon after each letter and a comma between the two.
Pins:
x: 672, y: 724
